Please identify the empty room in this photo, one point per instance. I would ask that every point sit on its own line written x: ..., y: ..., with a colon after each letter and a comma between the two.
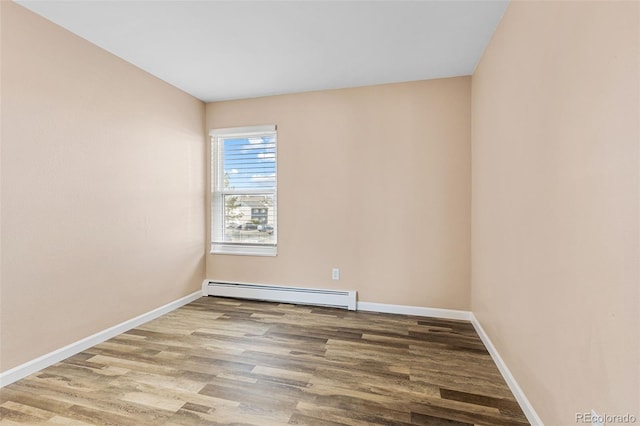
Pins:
x: 320, y: 212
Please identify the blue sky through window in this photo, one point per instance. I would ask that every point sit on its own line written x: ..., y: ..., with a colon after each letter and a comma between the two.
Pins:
x: 250, y: 162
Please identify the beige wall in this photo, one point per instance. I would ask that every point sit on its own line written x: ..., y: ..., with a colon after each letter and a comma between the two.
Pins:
x: 374, y: 181
x: 555, y: 218
x: 102, y: 189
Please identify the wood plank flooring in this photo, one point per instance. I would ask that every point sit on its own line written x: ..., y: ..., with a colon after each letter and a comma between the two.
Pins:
x: 222, y: 361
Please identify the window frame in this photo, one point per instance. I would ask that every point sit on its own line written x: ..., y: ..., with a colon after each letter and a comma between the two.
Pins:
x: 218, y: 192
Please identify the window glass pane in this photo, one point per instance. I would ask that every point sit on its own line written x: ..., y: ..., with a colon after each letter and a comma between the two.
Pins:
x: 250, y: 163
x: 249, y: 219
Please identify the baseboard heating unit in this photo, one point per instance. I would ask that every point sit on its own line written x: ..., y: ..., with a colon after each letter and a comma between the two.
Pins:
x: 274, y: 293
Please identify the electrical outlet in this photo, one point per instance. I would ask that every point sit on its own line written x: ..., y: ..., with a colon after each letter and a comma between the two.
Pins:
x: 335, y: 274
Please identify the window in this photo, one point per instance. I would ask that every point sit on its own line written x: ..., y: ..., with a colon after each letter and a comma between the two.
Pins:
x: 244, y: 191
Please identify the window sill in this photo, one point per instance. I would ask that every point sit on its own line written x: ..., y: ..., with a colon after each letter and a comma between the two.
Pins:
x: 244, y: 250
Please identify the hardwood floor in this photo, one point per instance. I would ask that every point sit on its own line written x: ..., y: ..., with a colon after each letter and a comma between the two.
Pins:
x: 224, y: 361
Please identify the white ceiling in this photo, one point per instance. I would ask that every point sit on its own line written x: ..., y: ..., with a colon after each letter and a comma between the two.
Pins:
x: 218, y: 50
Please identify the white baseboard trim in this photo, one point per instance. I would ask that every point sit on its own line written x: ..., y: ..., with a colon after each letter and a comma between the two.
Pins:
x: 414, y: 310
x: 526, y: 406
x: 58, y: 355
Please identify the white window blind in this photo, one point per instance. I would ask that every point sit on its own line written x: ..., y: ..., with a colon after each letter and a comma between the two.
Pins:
x: 244, y: 190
